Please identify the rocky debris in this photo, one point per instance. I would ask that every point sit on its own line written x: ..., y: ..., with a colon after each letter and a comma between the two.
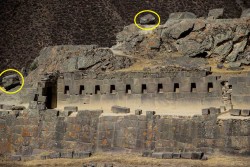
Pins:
x: 194, y: 48
x: 245, y: 13
x: 148, y: 19
x: 10, y: 81
x: 224, y: 49
x: 92, y: 58
x: 220, y: 66
x: 225, y: 40
x: 234, y: 64
x: 100, y: 59
x: 216, y: 13
x: 178, y: 30
x: 181, y: 15
x: 238, y: 48
x: 186, y: 63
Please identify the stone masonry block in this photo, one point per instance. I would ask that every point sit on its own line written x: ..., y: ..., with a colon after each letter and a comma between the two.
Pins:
x: 67, y: 155
x: 150, y: 113
x: 53, y: 155
x: 119, y: 109
x: 245, y: 113
x: 167, y: 155
x: 157, y: 155
x: 176, y: 155
x: 186, y: 155
x: 82, y: 154
x: 197, y: 155
x: 147, y: 153
x: 235, y: 112
x: 213, y: 110
x: 138, y: 112
x: 205, y: 111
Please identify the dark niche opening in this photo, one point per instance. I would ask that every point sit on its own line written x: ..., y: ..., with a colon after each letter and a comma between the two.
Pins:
x: 210, y: 87
x: 128, y: 89
x: 81, y: 91
x: 176, y: 87
x: 144, y: 88
x: 97, y: 89
x: 66, y: 90
x: 112, y: 89
x: 160, y: 88
x: 193, y: 87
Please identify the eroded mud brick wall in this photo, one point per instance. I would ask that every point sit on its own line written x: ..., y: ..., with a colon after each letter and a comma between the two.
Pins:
x: 149, y: 89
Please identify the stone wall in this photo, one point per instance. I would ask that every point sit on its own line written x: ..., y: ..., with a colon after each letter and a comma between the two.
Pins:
x: 240, y: 91
x: 150, y: 89
x: 169, y: 133
x: 31, y: 131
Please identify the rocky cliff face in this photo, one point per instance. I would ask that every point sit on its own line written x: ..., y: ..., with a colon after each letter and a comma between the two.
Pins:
x: 223, y: 40
x: 28, y: 26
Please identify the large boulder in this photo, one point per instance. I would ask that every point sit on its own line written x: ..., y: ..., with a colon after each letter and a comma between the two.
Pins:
x: 224, y: 35
x: 224, y: 49
x: 148, y: 19
x: 181, y: 15
x: 216, y: 13
x: 238, y: 48
x: 177, y: 30
x: 194, y: 48
x: 245, y: 13
x: 10, y: 81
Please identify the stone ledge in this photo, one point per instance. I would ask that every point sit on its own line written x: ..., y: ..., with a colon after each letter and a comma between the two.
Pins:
x: 119, y: 109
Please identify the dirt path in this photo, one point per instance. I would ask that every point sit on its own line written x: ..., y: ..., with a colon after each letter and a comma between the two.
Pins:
x: 135, y: 160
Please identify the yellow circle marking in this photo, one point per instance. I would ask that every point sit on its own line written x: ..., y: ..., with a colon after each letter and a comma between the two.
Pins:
x: 150, y: 11
x: 20, y: 74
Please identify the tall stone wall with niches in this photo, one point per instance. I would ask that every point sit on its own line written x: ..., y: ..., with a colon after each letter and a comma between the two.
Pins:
x: 152, y: 89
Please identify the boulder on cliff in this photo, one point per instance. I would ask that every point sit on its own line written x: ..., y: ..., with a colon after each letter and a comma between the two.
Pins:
x: 148, y: 19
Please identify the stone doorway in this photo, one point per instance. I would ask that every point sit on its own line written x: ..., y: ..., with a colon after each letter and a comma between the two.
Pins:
x: 51, y: 93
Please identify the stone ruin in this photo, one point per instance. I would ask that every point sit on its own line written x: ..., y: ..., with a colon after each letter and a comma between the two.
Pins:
x: 154, y: 92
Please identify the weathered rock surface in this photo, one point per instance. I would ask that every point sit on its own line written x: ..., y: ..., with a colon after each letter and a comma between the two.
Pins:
x: 181, y: 15
x: 148, y: 19
x: 10, y: 81
x: 216, y: 13
x: 177, y: 30
x: 245, y: 13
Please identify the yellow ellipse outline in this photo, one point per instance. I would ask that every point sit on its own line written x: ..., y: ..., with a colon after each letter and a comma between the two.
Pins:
x: 150, y: 11
x: 19, y: 73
